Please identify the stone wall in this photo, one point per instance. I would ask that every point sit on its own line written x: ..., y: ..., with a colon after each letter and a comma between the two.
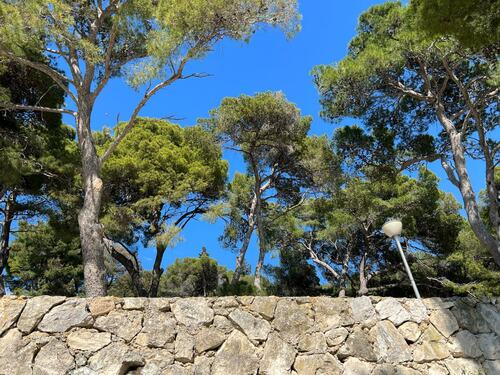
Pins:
x: 249, y: 335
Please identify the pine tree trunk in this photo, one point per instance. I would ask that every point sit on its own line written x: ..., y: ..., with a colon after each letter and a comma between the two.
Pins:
x: 343, y: 274
x: 240, y: 260
x: 363, y: 280
x: 157, y: 272
x: 91, y: 233
x: 4, y: 238
x: 262, y: 248
x: 468, y: 195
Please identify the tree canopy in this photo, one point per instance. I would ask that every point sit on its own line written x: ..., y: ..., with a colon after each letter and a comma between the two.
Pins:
x: 401, y: 80
x: 151, y: 199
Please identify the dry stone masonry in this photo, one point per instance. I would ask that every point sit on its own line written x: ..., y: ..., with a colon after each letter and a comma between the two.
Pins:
x: 249, y: 335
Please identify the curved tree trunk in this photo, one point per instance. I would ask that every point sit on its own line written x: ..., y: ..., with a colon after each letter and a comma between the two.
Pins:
x: 463, y: 183
x: 91, y: 232
x: 363, y: 279
x: 262, y: 248
x: 128, y: 260
x: 157, y: 272
x: 240, y: 260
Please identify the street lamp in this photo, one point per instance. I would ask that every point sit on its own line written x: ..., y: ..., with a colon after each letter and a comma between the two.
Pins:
x: 392, y: 228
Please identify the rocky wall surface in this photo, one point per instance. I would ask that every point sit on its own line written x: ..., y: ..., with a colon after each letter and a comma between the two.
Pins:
x: 249, y: 335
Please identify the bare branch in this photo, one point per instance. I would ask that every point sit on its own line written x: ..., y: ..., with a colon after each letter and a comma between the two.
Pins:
x: 449, y: 172
x: 407, y: 91
x: 35, y: 108
x: 140, y: 105
x: 52, y: 73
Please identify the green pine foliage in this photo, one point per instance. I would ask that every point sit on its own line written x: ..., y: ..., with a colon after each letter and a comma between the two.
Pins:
x: 43, y: 261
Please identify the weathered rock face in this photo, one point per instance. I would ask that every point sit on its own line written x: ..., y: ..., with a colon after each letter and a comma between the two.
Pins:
x: 124, y: 324
x: 53, y: 359
x: 254, y: 328
x: 10, y: 309
x: 278, y: 356
x: 35, y: 309
x: 192, y: 312
x: 88, y: 339
x: 249, y: 335
x: 72, y: 313
x: 236, y: 356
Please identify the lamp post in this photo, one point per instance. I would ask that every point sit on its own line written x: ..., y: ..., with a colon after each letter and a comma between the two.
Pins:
x: 392, y: 228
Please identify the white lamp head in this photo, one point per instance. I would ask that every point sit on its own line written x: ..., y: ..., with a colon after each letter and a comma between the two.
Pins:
x: 392, y: 227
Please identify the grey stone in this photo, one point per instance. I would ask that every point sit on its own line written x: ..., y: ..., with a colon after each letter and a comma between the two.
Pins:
x: 431, y: 334
x: 53, y: 359
x: 463, y: 366
x: 265, y: 306
x: 254, y: 328
x: 224, y: 305
x: 430, y: 351
x: 491, y: 367
x: 316, y: 364
x: 357, y: 345
x: 245, y: 300
x: 490, y: 345
x: 389, y: 345
x: 122, y: 323
x: 134, y: 303
x: 437, y: 369
x: 10, y: 309
x: 391, y: 309
x: 202, y: 365
x: 332, y: 313
x: 156, y: 360
x: 278, y: 357
x: 444, y: 321
x: 208, y: 338
x: 292, y: 320
x: 72, y: 313
x: 410, y: 331
x: 353, y: 366
x: 437, y: 303
x: 158, y: 329
x: 176, y: 369
x: 236, y: 356
x: 192, y: 312
x: 16, y: 354
x: 363, y: 311
x: 387, y: 369
x: 223, y: 324
x: 469, y: 318
x: 416, y: 308
x: 491, y: 315
x: 314, y: 343
x: 38, y: 338
x: 115, y: 359
x: 36, y: 308
x: 159, y: 304
x: 184, y: 347
x: 80, y: 360
x: 336, y: 336
x: 464, y: 344
x: 88, y: 339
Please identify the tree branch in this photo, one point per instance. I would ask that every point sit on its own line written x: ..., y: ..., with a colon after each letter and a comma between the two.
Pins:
x: 52, y: 73
x: 414, y: 94
x: 36, y: 108
x: 140, y: 105
x: 449, y: 172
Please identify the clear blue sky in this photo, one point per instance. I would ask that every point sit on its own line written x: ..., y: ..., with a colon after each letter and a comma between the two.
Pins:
x: 268, y: 62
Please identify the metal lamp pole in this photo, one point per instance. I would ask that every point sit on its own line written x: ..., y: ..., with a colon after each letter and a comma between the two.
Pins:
x: 392, y: 229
